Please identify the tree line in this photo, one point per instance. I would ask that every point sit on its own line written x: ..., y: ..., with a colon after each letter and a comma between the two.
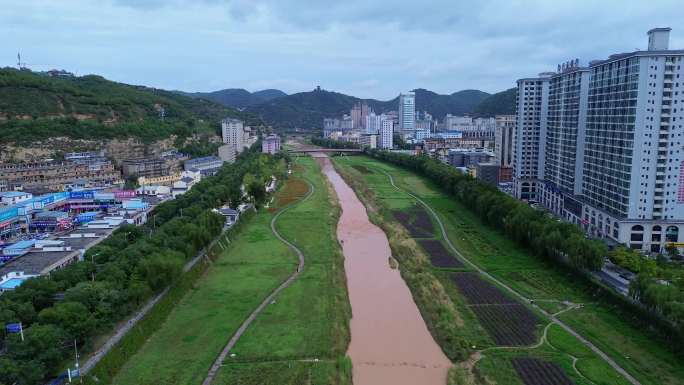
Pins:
x: 331, y: 143
x: 553, y: 240
x: 87, y: 298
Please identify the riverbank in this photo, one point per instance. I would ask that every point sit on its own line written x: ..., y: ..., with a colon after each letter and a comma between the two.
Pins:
x: 555, y: 290
x: 390, y: 342
x: 283, y: 342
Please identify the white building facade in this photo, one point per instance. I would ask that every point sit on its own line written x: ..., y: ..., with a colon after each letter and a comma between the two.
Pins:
x: 407, y: 113
x: 386, y: 138
x: 611, y: 139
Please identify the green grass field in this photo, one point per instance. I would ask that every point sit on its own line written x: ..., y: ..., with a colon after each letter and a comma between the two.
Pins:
x: 648, y: 361
x: 308, y: 320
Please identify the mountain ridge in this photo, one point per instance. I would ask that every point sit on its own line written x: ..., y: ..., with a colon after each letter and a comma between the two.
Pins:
x: 237, y: 97
x: 306, y: 110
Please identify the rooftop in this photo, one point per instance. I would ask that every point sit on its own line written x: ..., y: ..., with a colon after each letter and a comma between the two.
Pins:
x: 35, y: 262
x: 12, y: 283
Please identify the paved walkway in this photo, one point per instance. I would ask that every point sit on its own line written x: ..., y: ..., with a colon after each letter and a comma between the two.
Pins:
x: 140, y: 314
x: 552, y: 317
x: 231, y: 343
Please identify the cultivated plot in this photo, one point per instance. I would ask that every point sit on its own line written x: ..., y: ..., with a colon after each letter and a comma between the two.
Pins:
x: 534, y: 371
x: 439, y: 255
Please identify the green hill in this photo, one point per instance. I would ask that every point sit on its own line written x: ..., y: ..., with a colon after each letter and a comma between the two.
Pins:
x: 500, y: 103
x: 238, y: 97
x: 306, y: 110
x: 35, y: 106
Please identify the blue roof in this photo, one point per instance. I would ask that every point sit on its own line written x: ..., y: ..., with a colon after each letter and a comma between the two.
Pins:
x: 22, y: 244
x: 11, y: 283
x: 211, y: 158
x: 12, y: 194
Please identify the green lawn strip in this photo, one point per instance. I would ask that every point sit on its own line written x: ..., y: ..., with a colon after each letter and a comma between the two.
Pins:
x: 636, y: 352
x: 536, y: 279
x: 182, y: 350
x: 286, y: 373
x: 310, y: 318
x: 588, y: 363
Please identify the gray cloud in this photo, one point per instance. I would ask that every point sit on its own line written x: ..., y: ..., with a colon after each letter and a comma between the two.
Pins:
x: 368, y: 48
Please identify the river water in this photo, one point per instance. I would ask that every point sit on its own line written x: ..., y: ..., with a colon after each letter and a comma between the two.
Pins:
x: 390, y: 343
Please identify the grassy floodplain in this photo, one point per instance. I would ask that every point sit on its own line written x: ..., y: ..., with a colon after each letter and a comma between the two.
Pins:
x: 635, y: 349
x: 303, y: 337
x: 309, y: 320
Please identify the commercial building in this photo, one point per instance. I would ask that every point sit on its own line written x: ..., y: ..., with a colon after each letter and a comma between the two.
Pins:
x: 407, y: 113
x: 55, y: 175
x: 13, y: 197
x: 270, y: 144
x: 602, y: 145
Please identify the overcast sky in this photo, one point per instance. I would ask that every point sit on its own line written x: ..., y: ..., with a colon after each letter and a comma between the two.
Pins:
x: 367, y: 48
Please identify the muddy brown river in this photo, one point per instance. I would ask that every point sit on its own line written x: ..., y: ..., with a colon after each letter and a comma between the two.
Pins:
x: 390, y: 343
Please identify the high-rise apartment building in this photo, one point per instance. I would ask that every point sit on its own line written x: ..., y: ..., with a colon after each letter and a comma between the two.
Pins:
x: 503, y: 146
x: 374, y: 122
x: 407, y: 113
x: 610, y: 149
x: 386, y: 139
x: 233, y: 132
x: 531, y: 109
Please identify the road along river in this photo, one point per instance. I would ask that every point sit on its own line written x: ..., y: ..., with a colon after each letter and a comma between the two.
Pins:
x: 390, y: 343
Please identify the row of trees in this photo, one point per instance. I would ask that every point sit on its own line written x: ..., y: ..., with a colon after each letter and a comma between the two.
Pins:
x: 659, y: 285
x: 118, y: 275
x: 531, y: 228
x: 331, y: 143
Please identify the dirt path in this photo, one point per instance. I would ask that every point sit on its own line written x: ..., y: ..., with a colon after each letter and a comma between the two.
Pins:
x: 241, y: 330
x: 552, y: 317
x: 390, y: 342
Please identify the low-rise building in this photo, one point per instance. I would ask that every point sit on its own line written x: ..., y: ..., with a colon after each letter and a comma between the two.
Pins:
x: 208, y: 165
x: 9, y: 198
x: 227, y: 153
x: 466, y: 157
x: 147, y: 167
x: 369, y: 141
x: 488, y: 173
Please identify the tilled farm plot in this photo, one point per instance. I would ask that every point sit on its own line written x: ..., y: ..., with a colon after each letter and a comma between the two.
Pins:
x: 416, y: 221
x: 533, y: 371
x: 478, y: 291
x: 439, y: 255
x: 508, y: 322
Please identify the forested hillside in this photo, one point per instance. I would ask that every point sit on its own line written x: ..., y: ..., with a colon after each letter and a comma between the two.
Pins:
x: 306, y: 110
x: 35, y: 106
x: 237, y: 97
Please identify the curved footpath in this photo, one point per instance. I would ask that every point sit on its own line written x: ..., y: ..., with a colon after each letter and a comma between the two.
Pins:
x: 552, y: 317
x: 390, y: 342
x: 241, y: 330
